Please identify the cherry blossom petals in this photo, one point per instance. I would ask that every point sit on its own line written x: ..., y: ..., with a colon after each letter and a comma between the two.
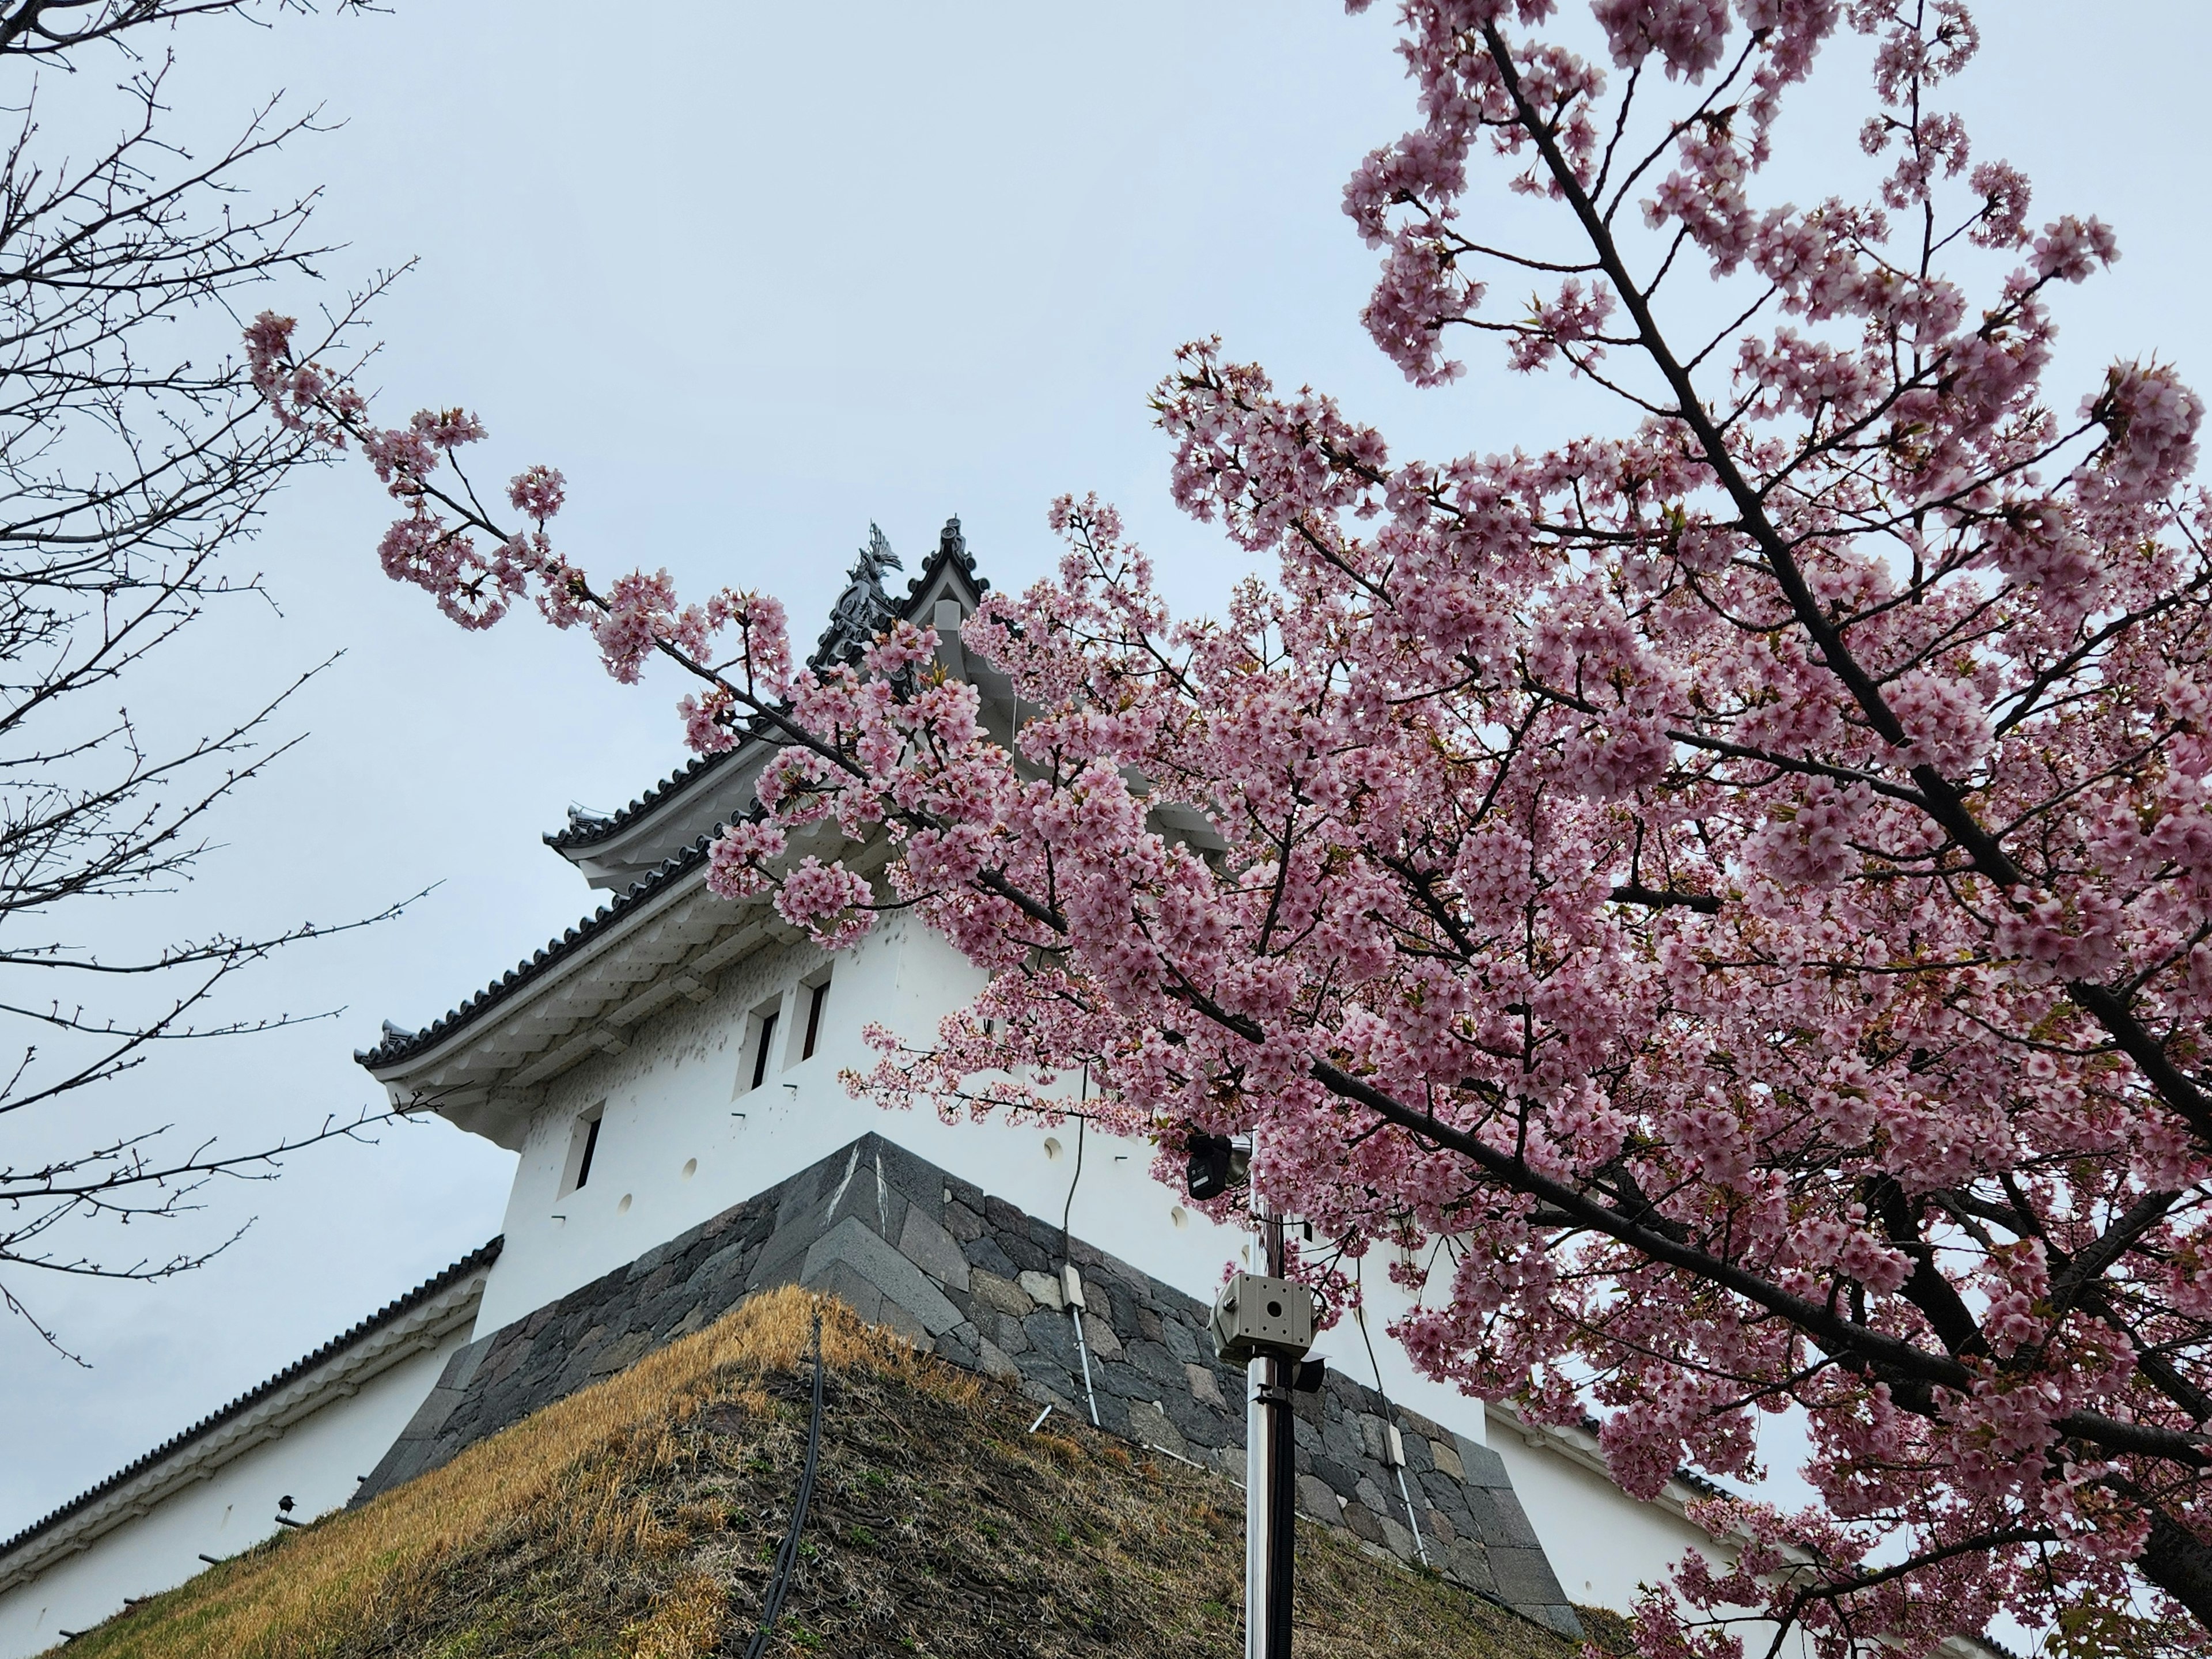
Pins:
x: 1720, y: 910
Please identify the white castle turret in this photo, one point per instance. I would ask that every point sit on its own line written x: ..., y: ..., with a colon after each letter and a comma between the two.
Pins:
x: 667, y: 1074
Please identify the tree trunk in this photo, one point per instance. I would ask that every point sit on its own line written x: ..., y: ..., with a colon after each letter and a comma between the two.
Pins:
x: 2179, y: 1563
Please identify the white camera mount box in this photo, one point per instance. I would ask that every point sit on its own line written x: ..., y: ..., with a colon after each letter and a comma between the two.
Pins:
x: 1257, y: 1316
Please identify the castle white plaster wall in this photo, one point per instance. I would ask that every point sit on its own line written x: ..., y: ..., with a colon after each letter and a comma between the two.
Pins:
x: 674, y: 1097
x: 1603, y: 1544
x: 316, y: 1461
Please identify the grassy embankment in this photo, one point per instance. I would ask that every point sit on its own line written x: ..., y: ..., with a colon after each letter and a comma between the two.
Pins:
x: 637, y: 1520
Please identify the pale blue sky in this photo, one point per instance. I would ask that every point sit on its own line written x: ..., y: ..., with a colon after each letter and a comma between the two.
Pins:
x: 753, y: 277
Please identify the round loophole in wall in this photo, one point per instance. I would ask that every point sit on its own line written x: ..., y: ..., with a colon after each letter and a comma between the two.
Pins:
x: 1051, y: 1147
x: 691, y: 1168
x: 1177, y: 1216
x: 622, y: 1207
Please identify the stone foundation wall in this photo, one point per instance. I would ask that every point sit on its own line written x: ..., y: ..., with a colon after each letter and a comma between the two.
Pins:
x: 975, y: 1280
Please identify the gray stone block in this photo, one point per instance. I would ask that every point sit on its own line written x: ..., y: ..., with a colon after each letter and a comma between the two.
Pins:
x: 1373, y: 1441
x: 913, y: 1177
x: 811, y: 1188
x: 1513, y: 1520
x: 909, y: 1325
x: 1044, y: 1368
x: 1050, y: 1334
x: 997, y: 1291
x: 1154, y: 1360
x: 1177, y: 1338
x: 863, y: 1192
x: 1127, y: 1383
x: 924, y: 1242
x: 851, y: 1242
x: 1484, y: 1466
x: 1398, y: 1540
x: 1342, y: 1442
x: 1468, y: 1563
x: 1316, y: 1499
x: 1560, y: 1616
x: 1149, y: 1425
x: 1200, y: 1425
x: 620, y: 1354
x: 1341, y: 1480
x: 1366, y: 1522
x: 780, y: 1259
x: 715, y: 1264
x: 1104, y: 1345
x: 984, y: 1252
x: 1525, y: 1578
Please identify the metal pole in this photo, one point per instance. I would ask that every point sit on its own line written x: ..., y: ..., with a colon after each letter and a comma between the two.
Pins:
x: 1270, y: 1506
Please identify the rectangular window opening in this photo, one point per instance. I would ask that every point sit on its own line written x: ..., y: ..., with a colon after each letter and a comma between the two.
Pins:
x: 766, y: 1042
x: 583, y: 1148
x: 814, y: 1018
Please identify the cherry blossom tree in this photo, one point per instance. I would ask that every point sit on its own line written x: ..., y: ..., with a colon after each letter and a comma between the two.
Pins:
x: 1727, y: 903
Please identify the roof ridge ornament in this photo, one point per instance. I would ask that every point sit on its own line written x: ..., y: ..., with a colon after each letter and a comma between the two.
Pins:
x: 863, y: 609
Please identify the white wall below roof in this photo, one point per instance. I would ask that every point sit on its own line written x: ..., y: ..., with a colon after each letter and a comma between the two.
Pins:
x: 1604, y: 1545
x: 668, y: 1101
x: 316, y: 1460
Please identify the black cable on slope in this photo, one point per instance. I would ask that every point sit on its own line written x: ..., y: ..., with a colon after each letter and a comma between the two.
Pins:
x: 786, y: 1557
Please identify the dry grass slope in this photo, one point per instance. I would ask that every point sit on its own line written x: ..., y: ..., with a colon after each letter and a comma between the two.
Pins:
x: 637, y: 1520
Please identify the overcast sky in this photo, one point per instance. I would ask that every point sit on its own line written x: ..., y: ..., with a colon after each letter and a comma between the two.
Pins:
x: 752, y: 277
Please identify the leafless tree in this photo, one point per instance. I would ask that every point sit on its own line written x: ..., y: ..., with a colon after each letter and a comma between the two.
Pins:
x: 130, y: 472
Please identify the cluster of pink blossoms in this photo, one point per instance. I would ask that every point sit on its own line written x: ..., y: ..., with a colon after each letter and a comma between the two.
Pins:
x: 1723, y: 909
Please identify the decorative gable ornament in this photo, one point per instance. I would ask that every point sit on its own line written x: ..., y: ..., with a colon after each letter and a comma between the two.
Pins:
x: 864, y: 610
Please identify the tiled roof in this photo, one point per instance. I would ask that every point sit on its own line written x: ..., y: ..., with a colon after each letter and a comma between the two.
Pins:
x: 585, y: 830
x: 483, y: 1256
x: 588, y: 829
x: 399, y: 1045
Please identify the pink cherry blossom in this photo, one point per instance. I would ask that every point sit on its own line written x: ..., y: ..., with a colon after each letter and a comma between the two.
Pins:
x: 537, y: 492
x: 1718, y: 909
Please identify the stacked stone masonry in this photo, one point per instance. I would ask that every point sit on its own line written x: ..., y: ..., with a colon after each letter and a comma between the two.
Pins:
x: 976, y: 1281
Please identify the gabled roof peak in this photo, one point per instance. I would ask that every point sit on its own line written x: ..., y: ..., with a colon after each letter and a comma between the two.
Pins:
x: 587, y: 829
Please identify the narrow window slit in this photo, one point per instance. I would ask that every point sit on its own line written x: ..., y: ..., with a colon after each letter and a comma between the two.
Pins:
x: 766, y: 1042
x: 591, y: 1146
x: 814, y: 1019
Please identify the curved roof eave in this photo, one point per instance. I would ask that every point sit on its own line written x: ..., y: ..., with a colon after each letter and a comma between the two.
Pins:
x: 400, y: 1047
